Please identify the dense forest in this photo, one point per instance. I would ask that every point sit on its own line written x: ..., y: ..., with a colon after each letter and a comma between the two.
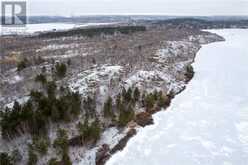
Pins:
x: 90, y: 32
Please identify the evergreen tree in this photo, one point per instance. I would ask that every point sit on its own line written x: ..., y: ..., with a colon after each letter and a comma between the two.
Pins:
x: 41, y: 78
x: 150, y: 101
x: 16, y: 156
x: 5, y: 159
x: 51, y: 89
x: 41, y: 144
x: 17, y: 107
x: 66, y: 159
x: 189, y: 72
x: 118, y: 102
x: 53, y: 161
x: 61, y: 142
x: 123, y: 93
x: 128, y: 95
x: 136, y: 94
x: 163, y: 100
x: 90, y: 131
x: 69, y: 62
x: 43, y: 69
x: 32, y: 157
x: 108, y: 108
x: 60, y: 70
x: 126, y: 115
x: 89, y: 106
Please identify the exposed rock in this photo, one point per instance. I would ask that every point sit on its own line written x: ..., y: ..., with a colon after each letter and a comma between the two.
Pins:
x: 143, y: 119
x: 122, y: 143
x: 76, y: 141
x: 102, y: 154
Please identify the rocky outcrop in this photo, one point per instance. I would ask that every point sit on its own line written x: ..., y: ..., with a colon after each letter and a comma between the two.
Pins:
x: 143, y: 119
x: 102, y: 154
x: 122, y: 143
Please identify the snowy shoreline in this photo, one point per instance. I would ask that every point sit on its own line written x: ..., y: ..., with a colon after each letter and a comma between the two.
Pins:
x: 136, y: 128
x: 162, y: 67
x: 138, y: 154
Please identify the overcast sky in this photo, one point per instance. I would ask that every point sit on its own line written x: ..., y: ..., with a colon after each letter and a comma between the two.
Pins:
x: 167, y: 7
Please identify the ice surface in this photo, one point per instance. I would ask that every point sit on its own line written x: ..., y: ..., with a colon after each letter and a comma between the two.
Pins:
x: 33, y: 28
x: 206, y: 124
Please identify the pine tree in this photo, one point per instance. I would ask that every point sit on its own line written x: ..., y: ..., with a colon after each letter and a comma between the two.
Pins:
x: 126, y: 115
x: 149, y: 101
x: 17, y: 107
x: 60, y: 70
x: 5, y: 159
x: 118, y: 102
x: 128, y: 95
x: 136, y: 94
x: 163, y: 100
x: 51, y: 89
x: 66, y: 159
x: 41, y: 78
x: 108, y: 108
x: 53, y: 161
x: 32, y: 157
x: 61, y: 142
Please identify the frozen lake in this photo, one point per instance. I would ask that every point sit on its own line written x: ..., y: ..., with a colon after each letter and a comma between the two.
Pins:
x: 34, y: 28
x: 207, y: 124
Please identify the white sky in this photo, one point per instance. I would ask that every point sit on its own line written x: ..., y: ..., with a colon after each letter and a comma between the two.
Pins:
x: 167, y: 7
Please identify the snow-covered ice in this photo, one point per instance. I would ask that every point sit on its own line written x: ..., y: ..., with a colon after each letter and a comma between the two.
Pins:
x: 42, y: 27
x: 206, y: 124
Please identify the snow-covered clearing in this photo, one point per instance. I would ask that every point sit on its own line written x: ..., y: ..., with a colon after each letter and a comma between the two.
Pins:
x: 207, y: 123
x: 89, y: 80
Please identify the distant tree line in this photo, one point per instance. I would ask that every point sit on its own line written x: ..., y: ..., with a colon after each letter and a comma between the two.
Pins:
x: 202, y: 23
x: 91, y: 32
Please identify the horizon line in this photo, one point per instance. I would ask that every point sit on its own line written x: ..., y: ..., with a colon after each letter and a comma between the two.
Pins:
x: 142, y: 14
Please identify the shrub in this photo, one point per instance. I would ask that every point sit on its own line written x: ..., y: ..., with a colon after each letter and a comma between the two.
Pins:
x: 22, y: 64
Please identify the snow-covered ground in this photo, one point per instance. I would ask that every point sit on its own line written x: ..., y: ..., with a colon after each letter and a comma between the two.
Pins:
x: 206, y: 124
x: 35, y: 28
